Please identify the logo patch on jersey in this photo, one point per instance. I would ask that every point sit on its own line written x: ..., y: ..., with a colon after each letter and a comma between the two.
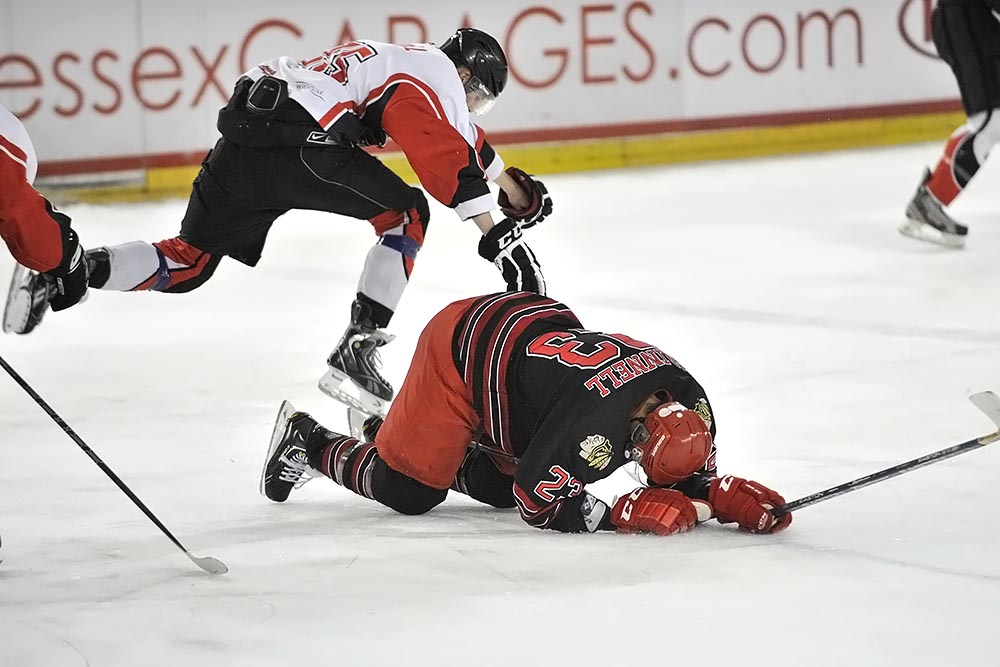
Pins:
x: 302, y: 85
x: 701, y: 407
x: 596, y: 450
x: 321, y: 138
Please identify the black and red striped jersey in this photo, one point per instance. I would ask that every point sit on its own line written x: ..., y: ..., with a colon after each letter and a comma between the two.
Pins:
x: 414, y: 93
x: 558, y: 396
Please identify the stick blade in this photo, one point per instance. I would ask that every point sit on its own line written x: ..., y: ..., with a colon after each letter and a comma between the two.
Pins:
x: 989, y: 404
x: 209, y: 564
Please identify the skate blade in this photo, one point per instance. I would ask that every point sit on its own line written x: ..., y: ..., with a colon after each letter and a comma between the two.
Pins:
x: 356, y: 419
x: 924, y: 232
x: 17, y: 310
x: 339, y: 386
x: 285, y: 413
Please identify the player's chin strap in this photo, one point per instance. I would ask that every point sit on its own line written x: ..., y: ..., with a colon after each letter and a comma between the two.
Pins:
x: 638, y: 433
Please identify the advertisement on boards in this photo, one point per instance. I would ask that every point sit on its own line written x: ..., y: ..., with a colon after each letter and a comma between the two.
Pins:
x: 123, y: 84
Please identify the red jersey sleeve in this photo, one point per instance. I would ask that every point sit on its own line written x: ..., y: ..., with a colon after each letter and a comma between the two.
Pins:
x: 448, y: 167
x: 33, y: 237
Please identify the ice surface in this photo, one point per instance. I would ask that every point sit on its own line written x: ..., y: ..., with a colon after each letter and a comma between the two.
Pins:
x: 830, y: 346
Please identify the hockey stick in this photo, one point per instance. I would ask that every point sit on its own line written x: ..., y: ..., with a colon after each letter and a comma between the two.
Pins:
x: 207, y: 563
x: 986, y: 401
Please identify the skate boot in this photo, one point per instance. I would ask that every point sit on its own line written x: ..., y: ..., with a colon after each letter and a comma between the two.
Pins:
x: 353, y: 375
x: 29, y: 292
x: 927, y: 220
x: 27, y: 300
x: 286, y: 466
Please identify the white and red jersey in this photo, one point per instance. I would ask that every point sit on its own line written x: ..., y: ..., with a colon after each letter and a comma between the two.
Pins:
x: 15, y: 144
x: 33, y: 237
x: 417, y: 97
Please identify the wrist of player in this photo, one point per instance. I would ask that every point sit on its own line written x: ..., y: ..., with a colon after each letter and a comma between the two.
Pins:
x: 659, y: 511
x: 503, y: 245
x: 68, y: 280
x: 747, y: 504
x: 596, y: 513
x: 350, y: 132
x: 68, y: 287
x: 539, y: 203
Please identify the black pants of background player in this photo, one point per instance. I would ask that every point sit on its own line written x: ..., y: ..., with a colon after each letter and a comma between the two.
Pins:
x: 967, y: 36
x: 241, y: 190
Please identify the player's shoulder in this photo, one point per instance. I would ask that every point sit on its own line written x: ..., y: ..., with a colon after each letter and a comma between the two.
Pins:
x: 416, y: 50
x: 421, y: 60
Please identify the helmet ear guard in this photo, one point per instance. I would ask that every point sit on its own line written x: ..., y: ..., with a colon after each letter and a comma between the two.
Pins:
x: 670, y: 443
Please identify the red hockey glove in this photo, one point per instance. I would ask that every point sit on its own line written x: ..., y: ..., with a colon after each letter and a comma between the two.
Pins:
x: 747, y: 503
x: 539, y: 202
x: 655, y: 510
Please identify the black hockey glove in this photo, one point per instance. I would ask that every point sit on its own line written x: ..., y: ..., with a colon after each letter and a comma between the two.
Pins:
x: 69, y: 279
x: 350, y: 132
x: 503, y: 246
x: 539, y: 206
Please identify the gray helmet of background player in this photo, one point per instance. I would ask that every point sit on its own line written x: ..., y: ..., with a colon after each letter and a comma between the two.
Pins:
x: 485, y: 59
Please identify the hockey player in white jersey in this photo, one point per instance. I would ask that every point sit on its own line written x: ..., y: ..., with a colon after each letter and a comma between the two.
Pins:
x: 293, y: 135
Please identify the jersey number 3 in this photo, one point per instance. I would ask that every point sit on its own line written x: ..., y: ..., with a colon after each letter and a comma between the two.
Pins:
x: 566, y: 348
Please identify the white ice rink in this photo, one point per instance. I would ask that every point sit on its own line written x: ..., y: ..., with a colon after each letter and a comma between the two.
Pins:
x: 830, y: 346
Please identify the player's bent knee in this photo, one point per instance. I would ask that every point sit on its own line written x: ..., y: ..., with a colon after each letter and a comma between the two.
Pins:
x: 183, y: 267
x: 421, y: 208
x: 480, y: 479
x: 199, y: 277
x: 499, y: 497
x: 404, y: 494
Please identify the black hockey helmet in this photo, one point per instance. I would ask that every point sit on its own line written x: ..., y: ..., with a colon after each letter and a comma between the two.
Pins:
x: 482, y: 54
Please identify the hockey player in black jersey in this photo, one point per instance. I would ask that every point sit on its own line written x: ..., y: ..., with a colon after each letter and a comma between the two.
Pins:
x: 511, y: 401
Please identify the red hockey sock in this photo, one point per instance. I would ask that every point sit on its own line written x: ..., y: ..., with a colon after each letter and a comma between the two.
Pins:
x: 944, y: 184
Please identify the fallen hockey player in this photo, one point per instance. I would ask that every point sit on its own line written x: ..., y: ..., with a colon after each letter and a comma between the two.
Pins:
x: 548, y: 408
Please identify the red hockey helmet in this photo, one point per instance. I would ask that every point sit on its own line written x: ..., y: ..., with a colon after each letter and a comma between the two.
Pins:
x: 671, y: 443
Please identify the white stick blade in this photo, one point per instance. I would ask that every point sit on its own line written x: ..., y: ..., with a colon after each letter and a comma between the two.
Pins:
x: 210, y: 565
x: 989, y: 404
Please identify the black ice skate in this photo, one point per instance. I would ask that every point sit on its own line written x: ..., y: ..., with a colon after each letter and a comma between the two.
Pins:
x: 353, y: 375
x: 927, y: 220
x: 27, y: 300
x: 286, y: 466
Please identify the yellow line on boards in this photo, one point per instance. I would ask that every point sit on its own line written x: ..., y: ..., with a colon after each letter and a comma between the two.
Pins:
x: 585, y: 155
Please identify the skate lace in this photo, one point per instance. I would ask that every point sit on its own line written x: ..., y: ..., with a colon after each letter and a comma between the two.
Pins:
x: 375, y: 363
x: 374, y: 359
x: 295, y: 470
